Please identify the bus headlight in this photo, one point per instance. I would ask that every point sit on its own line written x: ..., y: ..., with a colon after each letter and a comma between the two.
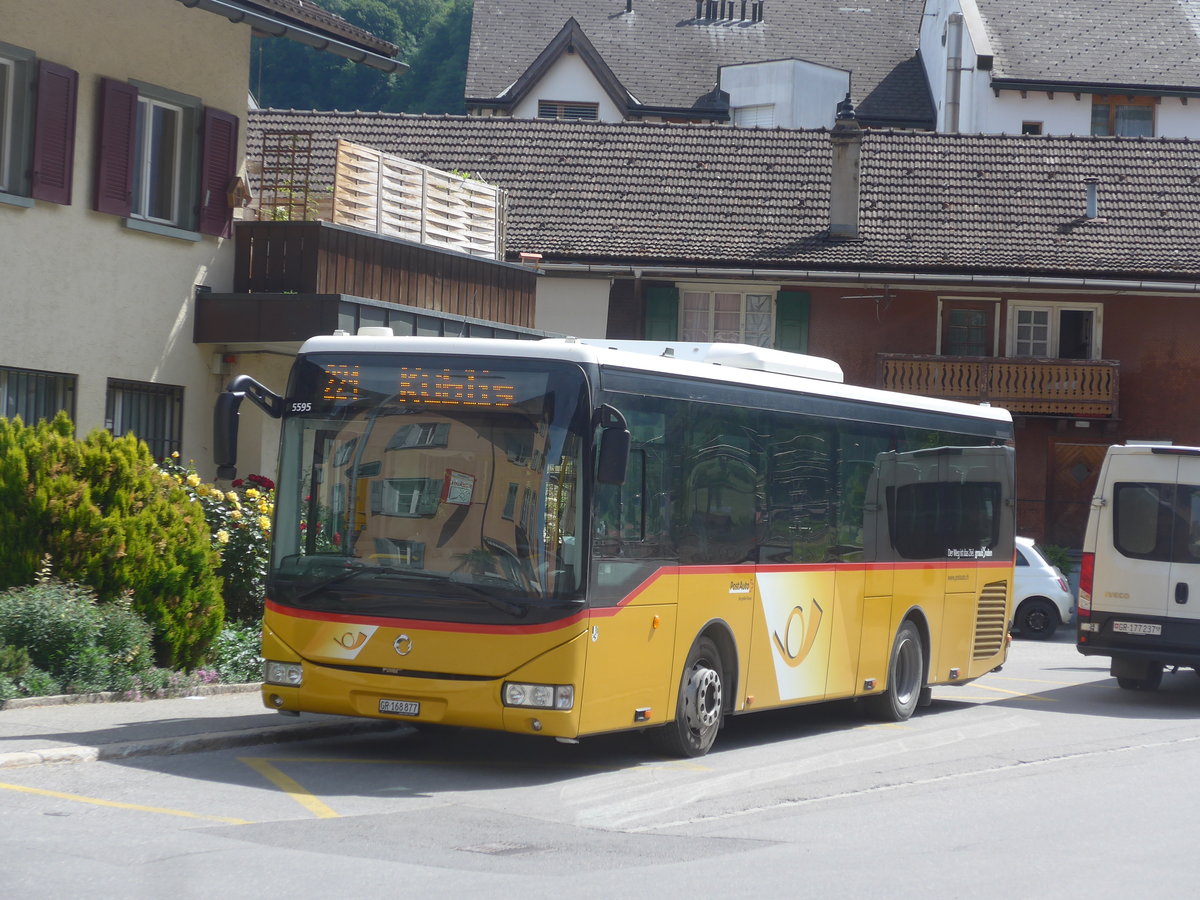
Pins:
x: 539, y: 696
x: 289, y: 674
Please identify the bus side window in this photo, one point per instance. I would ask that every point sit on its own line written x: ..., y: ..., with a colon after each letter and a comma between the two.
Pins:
x: 720, y: 488
x: 800, y: 487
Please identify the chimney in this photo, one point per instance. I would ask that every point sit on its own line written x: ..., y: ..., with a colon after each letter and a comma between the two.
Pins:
x: 846, y: 139
x: 628, y: 6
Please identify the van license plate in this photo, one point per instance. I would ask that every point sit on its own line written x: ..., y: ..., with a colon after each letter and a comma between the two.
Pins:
x: 400, y: 707
x: 1136, y: 628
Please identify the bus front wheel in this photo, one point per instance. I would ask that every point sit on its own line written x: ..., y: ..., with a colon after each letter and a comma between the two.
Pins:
x: 906, y: 677
x: 699, y: 705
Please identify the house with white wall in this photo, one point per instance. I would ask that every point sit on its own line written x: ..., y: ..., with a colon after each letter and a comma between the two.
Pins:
x: 122, y: 143
x: 1090, y: 67
x: 783, y: 63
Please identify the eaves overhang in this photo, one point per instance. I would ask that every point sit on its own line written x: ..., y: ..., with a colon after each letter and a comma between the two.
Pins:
x: 277, y: 26
x: 1094, y: 87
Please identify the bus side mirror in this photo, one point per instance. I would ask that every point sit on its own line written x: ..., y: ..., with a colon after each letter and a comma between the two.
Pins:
x: 225, y: 433
x: 613, y: 463
x: 614, y: 456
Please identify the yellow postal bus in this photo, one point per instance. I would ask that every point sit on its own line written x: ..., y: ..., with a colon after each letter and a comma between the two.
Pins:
x: 569, y: 538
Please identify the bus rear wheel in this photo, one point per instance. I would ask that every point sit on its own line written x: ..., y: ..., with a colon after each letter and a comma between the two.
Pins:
x: 698, y: 708
x: 906, y: 677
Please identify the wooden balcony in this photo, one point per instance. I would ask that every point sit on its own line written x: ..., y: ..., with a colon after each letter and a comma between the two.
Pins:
x: 1048, y: 387
x: 319, y: 258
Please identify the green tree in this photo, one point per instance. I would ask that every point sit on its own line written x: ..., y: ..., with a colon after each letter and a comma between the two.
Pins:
x: 110, y: 519
x: 437, y: 79
x: 287, y: 75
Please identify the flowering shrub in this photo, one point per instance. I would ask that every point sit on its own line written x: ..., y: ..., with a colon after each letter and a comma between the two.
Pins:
x: 240, y: 520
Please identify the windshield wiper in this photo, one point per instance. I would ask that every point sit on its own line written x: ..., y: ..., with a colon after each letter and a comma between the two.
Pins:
x: 353, y: 571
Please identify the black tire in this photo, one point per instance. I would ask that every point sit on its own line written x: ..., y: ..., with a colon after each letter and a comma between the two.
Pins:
x: 1037, y: 618
x: 1150, y: 683
x: 699, y: 707
x: 906, y: 677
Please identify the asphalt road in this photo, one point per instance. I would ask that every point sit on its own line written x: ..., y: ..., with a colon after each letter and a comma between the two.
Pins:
x: 1043, y: 780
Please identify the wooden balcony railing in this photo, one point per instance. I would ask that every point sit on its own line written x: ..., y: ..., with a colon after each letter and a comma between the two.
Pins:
x: 1058, y: 387
x: 321, y: 258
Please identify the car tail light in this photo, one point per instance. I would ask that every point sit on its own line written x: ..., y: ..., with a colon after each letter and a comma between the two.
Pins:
x: 1087, y: 569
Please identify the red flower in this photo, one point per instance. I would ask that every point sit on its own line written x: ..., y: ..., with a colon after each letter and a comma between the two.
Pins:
x: 337, y: 539
x: 237, y: 482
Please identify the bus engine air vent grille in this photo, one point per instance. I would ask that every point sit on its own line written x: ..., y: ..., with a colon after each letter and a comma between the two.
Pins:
x: 990, y: 619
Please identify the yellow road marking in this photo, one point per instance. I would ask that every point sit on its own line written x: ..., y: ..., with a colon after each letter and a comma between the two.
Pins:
x: 289, y: 786
x: 1038, y: 680
x: 96, y: 801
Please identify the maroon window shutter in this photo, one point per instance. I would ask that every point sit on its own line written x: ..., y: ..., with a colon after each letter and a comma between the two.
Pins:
x: 114, y: 156
x: 54, y: 133
x: 218, y: 165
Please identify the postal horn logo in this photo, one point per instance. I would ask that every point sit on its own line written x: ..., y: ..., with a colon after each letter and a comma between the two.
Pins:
x: 351, y: 640
x: 799, y: 634
x: 403, y: 645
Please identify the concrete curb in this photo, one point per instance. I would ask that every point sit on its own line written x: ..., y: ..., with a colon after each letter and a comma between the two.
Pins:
x: 201, y: 690
x: 193, y: 743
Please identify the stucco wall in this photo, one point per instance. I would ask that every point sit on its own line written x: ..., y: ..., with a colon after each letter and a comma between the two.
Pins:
x: 574, y: 306
x: 804, y: 94
x: 82, y: 293
x: 568, y: 80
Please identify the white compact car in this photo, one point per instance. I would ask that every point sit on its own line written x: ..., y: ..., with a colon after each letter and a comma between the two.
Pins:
x: 1041, y: 597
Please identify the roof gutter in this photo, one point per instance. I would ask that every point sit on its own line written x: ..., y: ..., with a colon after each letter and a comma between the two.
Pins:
x: 1093, y: 87
x: 894, y: 279
x: 276, y: 27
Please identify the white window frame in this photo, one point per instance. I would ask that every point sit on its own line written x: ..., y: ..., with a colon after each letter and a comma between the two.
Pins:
x: 760, y: 115
x: 145, y: 188
x: 1053, y: 310
x: 184, y: 162
x: 764, y: 338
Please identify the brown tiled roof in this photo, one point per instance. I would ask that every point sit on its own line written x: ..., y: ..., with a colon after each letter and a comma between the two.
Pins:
x: 305, y: 12
x: 721, y: 196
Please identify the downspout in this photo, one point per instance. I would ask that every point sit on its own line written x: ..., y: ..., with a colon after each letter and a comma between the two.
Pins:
x: 954, y: 68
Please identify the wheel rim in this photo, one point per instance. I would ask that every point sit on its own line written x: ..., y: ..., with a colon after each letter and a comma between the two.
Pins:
x: 906, y: 679
x: 703, y: 702
x: 1036, y: 619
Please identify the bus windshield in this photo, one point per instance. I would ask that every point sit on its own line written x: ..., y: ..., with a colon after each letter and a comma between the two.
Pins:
x: 430, y: 488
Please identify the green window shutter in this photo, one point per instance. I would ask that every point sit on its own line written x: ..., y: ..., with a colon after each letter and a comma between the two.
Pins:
x: 791, y: 321
x: 662, y: 314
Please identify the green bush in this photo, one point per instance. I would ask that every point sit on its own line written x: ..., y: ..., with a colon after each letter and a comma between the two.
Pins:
x: 240, y: 524
x: 236, y: 654
x: 1057, y: 556
x: 58, y: 639
x: 110, y: 519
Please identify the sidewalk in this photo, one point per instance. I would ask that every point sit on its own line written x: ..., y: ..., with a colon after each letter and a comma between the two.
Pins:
x: 85, y: 732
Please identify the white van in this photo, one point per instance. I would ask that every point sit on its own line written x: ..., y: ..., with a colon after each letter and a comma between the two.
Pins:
x: 1139, y: 581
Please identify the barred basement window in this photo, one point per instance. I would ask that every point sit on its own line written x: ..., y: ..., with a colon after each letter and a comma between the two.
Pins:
x: 558, y: 109
x: 153, y: 412
x: 34, y: 395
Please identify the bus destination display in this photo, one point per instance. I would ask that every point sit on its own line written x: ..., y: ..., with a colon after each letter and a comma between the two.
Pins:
x: 419, y: 386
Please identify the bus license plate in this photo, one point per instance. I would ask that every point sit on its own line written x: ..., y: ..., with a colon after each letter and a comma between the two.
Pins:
x: 1136, y: 628
x: 400, y: 707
